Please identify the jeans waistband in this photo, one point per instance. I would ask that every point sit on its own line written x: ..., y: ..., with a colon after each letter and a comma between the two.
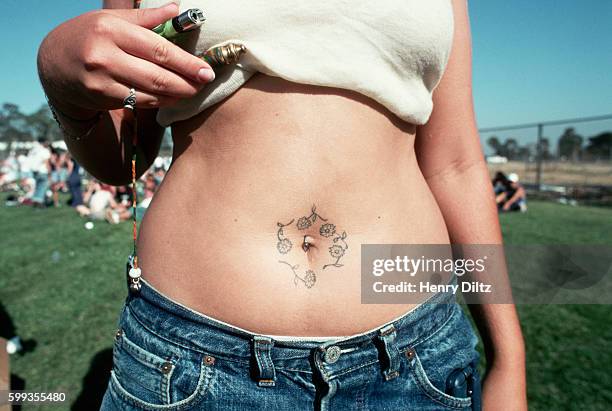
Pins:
x: 192, y: 330
x: 154, y: 308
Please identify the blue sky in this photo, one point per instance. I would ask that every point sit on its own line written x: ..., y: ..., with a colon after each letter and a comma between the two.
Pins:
x: 533, y: 60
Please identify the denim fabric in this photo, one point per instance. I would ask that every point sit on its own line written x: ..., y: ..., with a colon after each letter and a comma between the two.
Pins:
x: 41, y: 186
x: 167, y: 357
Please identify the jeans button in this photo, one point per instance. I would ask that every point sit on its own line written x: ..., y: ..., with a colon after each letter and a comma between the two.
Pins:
x: 332, y: 354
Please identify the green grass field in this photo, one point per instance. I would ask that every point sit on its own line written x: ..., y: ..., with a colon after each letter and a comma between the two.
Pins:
x: 63, y: 287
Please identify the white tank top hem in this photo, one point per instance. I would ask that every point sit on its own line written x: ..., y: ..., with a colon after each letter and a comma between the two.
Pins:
x: 393, y: 51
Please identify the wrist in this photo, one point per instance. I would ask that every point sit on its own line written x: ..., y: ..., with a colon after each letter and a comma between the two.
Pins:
x: 509, y: 356
x: 74, y: 127
x: 70, y: 112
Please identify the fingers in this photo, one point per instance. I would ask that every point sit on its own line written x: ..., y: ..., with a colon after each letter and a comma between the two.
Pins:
x: 147, y: 45
x: 160, y: 71
x: 148, y: 100
x: 147, y: 18
x: 148, y: 77
x: 117, y: 92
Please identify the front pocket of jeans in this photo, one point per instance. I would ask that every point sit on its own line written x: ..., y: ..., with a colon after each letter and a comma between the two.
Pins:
x: 146, y: 380
x: 426, y: 386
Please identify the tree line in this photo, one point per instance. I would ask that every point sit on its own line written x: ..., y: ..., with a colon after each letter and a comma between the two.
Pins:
x: 571, y: 146
x: 18, y: 126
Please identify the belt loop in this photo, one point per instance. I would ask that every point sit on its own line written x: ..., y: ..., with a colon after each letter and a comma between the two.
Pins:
x: 387, y: 336
x: 265, y: 367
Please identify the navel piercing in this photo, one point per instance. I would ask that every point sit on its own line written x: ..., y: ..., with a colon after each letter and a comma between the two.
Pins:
x: 306, y: 243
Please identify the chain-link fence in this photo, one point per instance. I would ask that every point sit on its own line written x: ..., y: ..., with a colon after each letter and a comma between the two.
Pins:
x: 566, y: 160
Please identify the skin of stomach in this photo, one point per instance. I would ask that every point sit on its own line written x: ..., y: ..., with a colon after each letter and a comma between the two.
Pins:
x: 255, y: 174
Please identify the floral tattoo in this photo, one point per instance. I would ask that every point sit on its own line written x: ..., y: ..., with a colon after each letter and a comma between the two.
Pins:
x: 283, y: 245
x: 337, y: 250
x: 309, y: 279
x: 304, y: 222
x: 327, y: 230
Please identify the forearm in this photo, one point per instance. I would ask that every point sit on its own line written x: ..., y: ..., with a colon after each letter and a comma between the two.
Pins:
x: 465, y: 196
x: 106, y: 153
x: 87, y: 66
x: 105, y: 150
x: 516, y: 197
x: 450, y: 157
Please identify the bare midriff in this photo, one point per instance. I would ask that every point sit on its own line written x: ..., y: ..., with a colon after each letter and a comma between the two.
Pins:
x: 224, y: 234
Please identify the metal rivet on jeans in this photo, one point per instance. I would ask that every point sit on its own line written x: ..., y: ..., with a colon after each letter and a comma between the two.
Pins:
x: 119, y: 333
x: 166, y: 367
x: 332, y: 354
x: 410, y: 353
x: 209, y: 360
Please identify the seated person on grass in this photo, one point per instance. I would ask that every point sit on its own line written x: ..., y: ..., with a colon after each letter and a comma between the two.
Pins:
x: 514, y: 197
x: 98, y: 198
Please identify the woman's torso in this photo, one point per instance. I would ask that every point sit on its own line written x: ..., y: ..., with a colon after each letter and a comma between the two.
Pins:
x: 267, y: 155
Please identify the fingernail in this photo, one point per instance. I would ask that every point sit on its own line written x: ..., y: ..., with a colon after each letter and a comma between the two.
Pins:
x: 206, y: 75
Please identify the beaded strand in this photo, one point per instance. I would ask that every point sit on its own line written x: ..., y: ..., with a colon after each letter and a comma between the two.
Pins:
x: 133, y: 270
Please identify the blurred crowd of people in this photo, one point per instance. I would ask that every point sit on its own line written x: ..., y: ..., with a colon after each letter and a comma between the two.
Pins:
x: 510, y: 195
x: 38, y: 176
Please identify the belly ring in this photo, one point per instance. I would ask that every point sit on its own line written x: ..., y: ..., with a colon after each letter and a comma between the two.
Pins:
x: 306, y: 243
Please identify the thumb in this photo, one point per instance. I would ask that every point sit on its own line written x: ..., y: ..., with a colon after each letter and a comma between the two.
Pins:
x: 147, y: 18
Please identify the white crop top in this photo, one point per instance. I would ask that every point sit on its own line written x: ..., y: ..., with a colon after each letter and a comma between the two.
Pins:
x: 393, y: 51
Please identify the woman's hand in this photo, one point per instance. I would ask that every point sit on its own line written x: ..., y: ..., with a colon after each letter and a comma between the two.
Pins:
x: 89, y: 63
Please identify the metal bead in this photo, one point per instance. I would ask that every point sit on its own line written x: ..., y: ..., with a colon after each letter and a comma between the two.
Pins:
x: 135, y: 273
x: 135, y: 287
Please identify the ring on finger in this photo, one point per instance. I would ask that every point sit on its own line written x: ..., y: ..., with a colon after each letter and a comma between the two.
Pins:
x: 130, y: 100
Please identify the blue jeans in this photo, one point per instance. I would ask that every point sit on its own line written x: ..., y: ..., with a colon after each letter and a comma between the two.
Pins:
x: 40, y: 187
x: 168, y: 357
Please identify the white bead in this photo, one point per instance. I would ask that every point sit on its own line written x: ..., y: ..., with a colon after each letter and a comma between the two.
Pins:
x: 135, y: 272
